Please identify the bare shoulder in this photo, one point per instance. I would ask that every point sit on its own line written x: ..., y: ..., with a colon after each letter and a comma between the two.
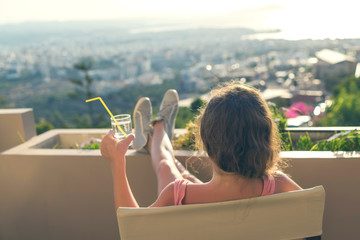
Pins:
x: 283, y: 183
x: 166, y: 197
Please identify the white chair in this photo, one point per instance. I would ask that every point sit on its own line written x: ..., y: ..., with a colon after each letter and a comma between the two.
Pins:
x: 290, y: 215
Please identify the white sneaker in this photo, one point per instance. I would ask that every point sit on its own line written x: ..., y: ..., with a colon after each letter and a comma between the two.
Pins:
x: 142, y: 122
x: 169, y: 108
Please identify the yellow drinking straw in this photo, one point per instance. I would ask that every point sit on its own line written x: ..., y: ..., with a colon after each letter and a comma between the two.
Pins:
x: 117, y: 124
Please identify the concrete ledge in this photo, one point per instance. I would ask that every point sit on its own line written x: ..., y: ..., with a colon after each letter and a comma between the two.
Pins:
x: 17, y: 126
x: 67, y: 193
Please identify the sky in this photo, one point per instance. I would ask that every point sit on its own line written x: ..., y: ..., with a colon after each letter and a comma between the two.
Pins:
x: 40, y: 10
x: 311, y: 17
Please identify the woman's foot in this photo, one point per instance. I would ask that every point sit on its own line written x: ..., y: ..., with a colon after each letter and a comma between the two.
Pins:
x: 142, y: 121
x: 169, y: 108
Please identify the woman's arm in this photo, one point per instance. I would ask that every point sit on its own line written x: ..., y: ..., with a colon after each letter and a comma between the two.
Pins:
x: 115, y: 150
x: 166, y: 197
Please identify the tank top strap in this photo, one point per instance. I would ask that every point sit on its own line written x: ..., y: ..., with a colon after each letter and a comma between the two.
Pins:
x: 269, y: 185
x: 179, y: 190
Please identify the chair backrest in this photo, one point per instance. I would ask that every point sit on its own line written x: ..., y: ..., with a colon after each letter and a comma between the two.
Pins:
x: 289, y: 215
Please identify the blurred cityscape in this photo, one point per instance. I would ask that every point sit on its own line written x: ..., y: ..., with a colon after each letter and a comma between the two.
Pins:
x: 290, y: 73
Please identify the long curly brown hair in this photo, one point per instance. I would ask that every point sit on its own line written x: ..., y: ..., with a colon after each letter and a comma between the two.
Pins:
x: 238, y: 132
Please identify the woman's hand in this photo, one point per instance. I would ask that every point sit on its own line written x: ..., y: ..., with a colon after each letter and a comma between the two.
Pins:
x: 114, y: 149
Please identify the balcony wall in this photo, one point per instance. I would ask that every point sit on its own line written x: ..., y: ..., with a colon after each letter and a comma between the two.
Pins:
x: 67, y: 193
x: 17, y: 126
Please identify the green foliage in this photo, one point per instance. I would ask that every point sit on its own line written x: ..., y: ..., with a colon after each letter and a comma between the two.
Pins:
x: 345, y: 109
x: 84, y: 85
x: 43, y: 127
x: 286, y: 141
x: 187, y: 141
x: 85, y: 64
x: 83, y: 121
x: 59, y: 120
x: 92, y: 146
x: 332, y: 81
x: 3, y: 101
x: 77, y: 82
x: 346, y: 84
x: 278, y: 116
x: 280, y: 121
x: 196, y: 105
x: 185, y: 115
x: 304, y: 143
x: 344, y: 141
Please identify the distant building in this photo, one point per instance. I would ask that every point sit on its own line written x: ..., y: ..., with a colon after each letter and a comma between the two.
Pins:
x: 311, y: 98
x: 280, y: 96
x: 284, y: 97
x: 355, y: 52
x: 332, y: 66
x: 357, y: 72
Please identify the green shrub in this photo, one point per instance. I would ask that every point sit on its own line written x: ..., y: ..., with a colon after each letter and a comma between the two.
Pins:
x: 92, y: 146
x: 280, y: 121
x: 304, y: 143
x: 185, y: 115
x: 187, y: 141
x: 43, y: 127
x: 345, y: 109
x: 196, y: 105
x: 344, y: 141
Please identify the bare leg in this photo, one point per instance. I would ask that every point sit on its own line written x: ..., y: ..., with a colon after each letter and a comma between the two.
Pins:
x: 162, y: 156
x: 165, y: 165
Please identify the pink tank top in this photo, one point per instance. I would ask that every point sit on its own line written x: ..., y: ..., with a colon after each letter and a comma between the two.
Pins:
x: 269, y: 185
x: 181, y: 184
x: 179, y: 190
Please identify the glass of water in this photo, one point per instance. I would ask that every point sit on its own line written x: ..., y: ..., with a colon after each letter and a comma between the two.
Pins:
x: 124, y: 121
